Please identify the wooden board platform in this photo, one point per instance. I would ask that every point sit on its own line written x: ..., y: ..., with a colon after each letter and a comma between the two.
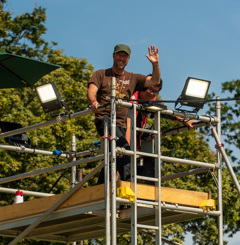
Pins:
x: 82, y: 216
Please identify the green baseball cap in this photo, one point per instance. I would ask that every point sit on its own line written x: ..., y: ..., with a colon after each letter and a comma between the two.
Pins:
x: 122, y: 47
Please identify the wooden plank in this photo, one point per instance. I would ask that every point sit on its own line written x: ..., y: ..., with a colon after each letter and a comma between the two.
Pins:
x: 169, y: 195
x: 95, y: 193
x: 40, y: 205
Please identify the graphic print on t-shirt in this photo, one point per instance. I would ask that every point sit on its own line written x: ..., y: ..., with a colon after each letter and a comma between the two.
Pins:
x: 121, y: 87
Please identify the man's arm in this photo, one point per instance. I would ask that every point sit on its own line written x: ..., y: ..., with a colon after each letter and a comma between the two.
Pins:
x: 128, y: 131
x: 185, y: 122
x: 91, y: 96
x: 156, y: 73
x: 180, y: 120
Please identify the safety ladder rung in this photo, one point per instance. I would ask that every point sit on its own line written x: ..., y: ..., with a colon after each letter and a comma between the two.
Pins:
x: 147, y: 178
x: 147, y: 227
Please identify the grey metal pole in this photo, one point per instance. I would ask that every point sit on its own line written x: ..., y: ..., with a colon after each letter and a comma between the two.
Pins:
x: 45, y: 124
x: 113, y: 161
x: 74, y: 168
x: 183, y: 174
x: 134, y: 174
x: 179, y: 208
x: 86, y: 153
x: 107, y: 184
x: 59, y: 119
x: 189, y: 162
x: 219, y: 174
x: 183, y: 129
x: 56, y: 205
x: 25, y: 193
x: 225, y: 157
x: 74, y: 159
x: 22, y: 149
x: 158, y: 211
x: 170, y: 112
x: 168, y: 159
x: 51, y: 169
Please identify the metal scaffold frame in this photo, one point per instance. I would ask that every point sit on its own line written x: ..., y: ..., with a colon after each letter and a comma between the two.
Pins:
x: 111, y: 199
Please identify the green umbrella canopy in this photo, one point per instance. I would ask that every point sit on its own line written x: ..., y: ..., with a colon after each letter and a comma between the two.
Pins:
x: 17, y: 71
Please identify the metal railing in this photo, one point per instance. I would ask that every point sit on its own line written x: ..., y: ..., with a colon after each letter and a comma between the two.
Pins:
x: 110, y: 210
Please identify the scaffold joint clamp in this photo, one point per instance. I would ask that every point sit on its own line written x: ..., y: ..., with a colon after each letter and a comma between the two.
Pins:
x: 218, y: 146
x: 110, y: 138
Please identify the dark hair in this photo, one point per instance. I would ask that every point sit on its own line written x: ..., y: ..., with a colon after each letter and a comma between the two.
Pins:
x: 159, y: 85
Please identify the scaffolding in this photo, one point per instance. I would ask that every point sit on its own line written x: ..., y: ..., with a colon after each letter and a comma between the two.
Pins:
x: 65, y: 218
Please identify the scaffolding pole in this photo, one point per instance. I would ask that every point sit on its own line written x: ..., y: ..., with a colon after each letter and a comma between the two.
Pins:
x: 107, y: 184
x: 59, y: 119
x: 133, y: 145
x: 184, y: 174
x: 169, y: 159
x: 179, y: 208
x: 73, y: 170
x: 25, y: 192
x: 51, y: 169
x: 219, y: 176
x: 56, y: 205
x: 170, y: 112
x: 111, y: 232
x: 157, y: 149
x: 183, y: 128
x: 22, y: 149
x: 220, y: 148
x: 113, y: 162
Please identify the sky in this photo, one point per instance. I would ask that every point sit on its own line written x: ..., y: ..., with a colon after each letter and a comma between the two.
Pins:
x: 195, y: 38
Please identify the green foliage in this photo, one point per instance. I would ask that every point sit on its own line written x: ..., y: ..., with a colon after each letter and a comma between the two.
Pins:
x: 187, y: 145
x: 230, y: 124
x: 22, y: 106
x: 22, y: 35
x: 230, y: 117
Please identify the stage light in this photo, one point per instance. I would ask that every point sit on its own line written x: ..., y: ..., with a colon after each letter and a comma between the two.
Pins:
x: 194, y: 94
x: 50, y: 98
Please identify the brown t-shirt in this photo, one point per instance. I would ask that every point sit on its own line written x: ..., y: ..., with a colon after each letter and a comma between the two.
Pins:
x: 127, y: 84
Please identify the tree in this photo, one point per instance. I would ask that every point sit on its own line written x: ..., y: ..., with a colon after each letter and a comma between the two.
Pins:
x: 22, y: 106
x: 230, y: 124
x: 231, y: 131
x: 22, y: 35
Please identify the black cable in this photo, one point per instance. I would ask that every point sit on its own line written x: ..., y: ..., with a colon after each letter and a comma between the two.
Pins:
x: 59, y: 178
x: 173, y: 101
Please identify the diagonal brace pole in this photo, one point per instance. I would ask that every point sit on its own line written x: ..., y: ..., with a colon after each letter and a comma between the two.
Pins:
x: 57, y: 204
x: 220, y: 148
